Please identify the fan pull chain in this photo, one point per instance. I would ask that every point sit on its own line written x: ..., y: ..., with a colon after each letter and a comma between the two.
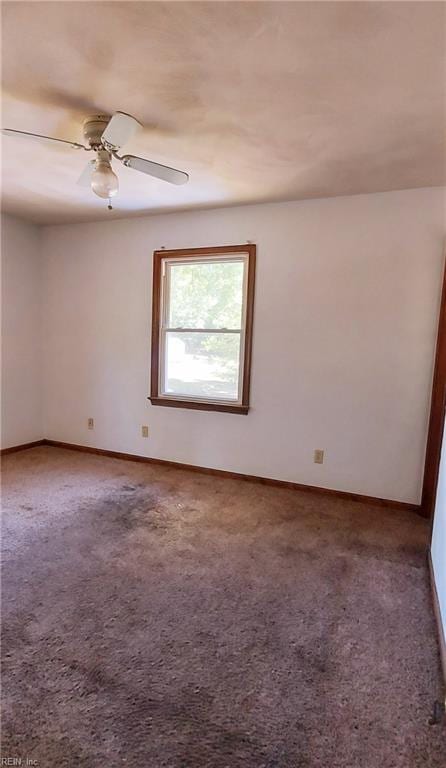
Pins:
x: 109, y: 206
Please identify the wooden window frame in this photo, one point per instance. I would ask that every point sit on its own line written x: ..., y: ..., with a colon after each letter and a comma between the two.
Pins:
x: 195, y: 253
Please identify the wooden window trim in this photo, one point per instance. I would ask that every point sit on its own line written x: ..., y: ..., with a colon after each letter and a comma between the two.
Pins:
x: 201, y: 405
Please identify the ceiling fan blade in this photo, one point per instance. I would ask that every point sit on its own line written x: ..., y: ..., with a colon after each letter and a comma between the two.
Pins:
x: 84, y: 179
x: 155, y: 169
x: 119, y: 130
x: 27, y: 135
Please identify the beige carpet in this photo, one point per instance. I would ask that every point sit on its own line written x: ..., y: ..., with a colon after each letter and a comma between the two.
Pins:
x: 155, y: 617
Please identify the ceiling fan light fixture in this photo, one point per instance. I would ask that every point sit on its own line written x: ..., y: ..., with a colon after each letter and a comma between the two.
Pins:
x: 104, y: 136
x: 104, y: 182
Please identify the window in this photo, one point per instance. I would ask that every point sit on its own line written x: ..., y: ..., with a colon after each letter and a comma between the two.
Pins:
x: 202, y: 327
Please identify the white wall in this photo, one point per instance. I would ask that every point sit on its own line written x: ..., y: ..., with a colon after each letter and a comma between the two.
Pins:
x: 21, y: 272
x: 347, y: 295
x: 438, y: 545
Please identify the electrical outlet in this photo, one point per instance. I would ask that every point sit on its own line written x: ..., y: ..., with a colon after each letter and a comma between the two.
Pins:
x: 90, y: 423
x: 144, y: 431
x: 318, y: 456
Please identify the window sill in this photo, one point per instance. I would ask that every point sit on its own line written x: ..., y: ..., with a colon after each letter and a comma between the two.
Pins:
x: 199, y: 405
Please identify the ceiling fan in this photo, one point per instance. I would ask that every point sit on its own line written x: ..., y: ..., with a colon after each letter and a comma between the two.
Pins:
x: 105, y: 135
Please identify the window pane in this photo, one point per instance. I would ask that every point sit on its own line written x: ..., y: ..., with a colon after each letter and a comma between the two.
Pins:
x: 202, y: 365
x: 206, y: 295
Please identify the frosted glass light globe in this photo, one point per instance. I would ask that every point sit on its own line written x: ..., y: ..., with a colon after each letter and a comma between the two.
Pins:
x: 104, y: 181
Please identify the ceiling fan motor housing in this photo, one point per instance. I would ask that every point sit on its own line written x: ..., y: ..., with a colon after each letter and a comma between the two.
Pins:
x: 93, y: 129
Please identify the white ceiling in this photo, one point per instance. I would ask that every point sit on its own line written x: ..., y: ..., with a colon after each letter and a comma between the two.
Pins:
x: 255, y: 100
